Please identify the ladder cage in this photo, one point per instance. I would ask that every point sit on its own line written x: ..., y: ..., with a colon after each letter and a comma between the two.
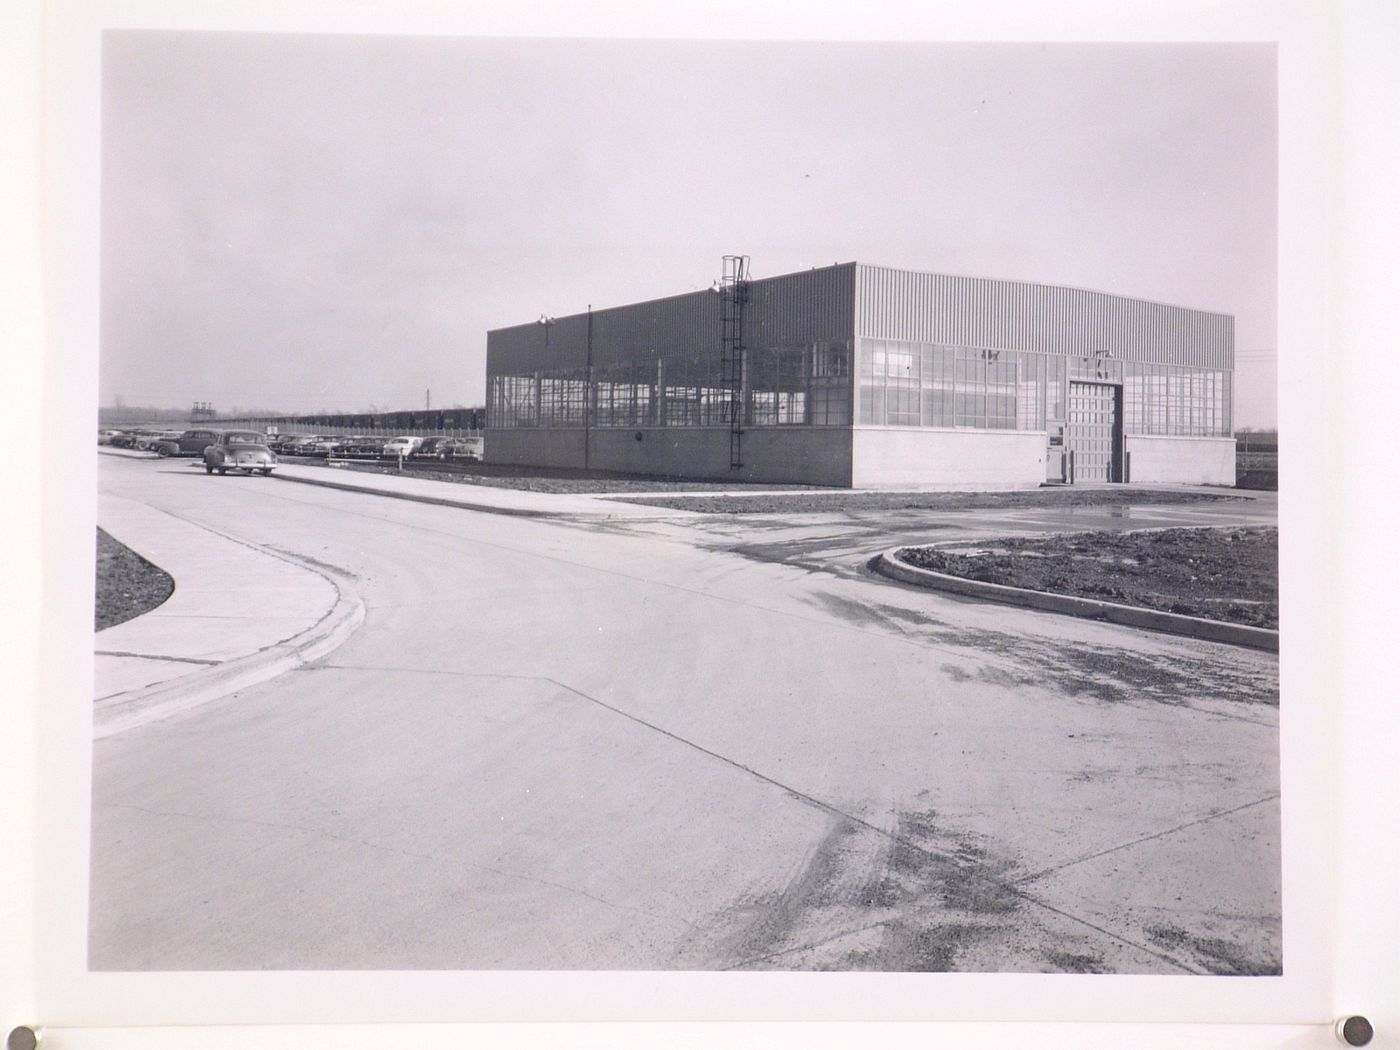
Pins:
x: 734, y: 289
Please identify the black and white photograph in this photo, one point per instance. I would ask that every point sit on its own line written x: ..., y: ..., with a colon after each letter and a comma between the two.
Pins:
x: 717, y: 522
x: 522, y: 547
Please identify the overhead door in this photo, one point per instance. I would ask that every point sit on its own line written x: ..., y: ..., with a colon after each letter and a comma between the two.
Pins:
x: 1093, y: 432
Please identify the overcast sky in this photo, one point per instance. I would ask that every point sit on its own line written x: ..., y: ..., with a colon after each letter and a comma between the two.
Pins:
x: 321, y: 222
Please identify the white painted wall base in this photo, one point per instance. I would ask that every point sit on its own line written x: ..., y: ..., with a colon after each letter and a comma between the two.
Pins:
x: 1181, y: 460
x: 971, y: 459
x: 795, y: 454
x: 867, y: 457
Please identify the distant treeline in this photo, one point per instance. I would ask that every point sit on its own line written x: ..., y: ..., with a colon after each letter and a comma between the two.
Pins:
x: 1261, y: 440
x: 116, y: 415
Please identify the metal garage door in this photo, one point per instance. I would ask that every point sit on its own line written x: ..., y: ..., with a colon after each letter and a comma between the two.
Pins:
x: 1093, y: 432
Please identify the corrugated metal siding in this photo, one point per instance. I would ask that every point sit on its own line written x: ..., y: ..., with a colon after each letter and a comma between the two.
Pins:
x: 794, y: 310
x: 1017, y: 315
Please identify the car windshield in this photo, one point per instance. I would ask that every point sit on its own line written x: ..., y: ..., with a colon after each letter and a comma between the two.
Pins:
x: 244, y: 437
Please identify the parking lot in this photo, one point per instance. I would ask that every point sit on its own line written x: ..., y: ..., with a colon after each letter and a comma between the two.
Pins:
x: 628, y: 738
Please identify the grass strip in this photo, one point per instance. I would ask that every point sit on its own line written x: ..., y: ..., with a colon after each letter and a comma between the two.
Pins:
x: 127, y: 584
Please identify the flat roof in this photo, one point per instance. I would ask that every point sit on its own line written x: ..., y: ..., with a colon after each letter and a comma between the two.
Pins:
x: 878, y: 266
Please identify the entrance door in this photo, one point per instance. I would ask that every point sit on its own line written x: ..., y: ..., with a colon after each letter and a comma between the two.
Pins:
x: 1094, y: 432
x: 1056, y: 458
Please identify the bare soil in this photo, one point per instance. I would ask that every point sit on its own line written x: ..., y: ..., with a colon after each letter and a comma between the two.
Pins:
x: 840, y: 500
x: 1220, y: 574
x: 127, y: 584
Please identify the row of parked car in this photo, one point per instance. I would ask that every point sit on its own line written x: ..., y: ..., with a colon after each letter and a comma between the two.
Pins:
x: 143, y: 439
x: 376, y: 446
x: 244, y: 451
x: 321, y: 446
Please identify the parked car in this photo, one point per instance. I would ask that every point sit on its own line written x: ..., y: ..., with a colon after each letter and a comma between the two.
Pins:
x: 290, y: 444
x: 463, y: 448
x: 365, y: 446
x: 239, y: 450
x: 189, y: 443
x: 106, y: 437
x: 150, y: 443
x: 401, y: 446
x: 299, y: 444
x: 431, y: 448
x: 135, y: 438
x: 325, y: 447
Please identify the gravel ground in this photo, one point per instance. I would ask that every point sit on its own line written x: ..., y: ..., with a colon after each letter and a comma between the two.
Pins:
x: 127, y: 584
x: 826, y: 501
x: 1221, y: 574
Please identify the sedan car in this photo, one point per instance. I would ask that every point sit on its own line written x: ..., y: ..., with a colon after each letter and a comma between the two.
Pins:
x: 189, y: 443
x: 365, y: 446
x: 298, y: 444
x: 239, y: 450
x: 325, y: 447
x: 432, y: 448
x: 401, y: 446
x: 462, y: 448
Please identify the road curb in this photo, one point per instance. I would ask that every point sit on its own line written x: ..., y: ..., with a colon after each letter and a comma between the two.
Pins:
x: 889, y: 564
x: 462, y: 504
x: 127, y: 710
x: 127, y: 453
x: 438, y: 501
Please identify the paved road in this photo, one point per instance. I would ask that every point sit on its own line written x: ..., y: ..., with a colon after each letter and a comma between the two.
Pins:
x: 633, y: 745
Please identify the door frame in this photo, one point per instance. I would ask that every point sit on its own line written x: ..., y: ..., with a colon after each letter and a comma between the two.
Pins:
x: 1118, y: 453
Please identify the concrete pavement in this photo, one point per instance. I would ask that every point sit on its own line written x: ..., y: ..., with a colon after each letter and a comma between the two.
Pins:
x: 596, y: 744
x: 239, y: 614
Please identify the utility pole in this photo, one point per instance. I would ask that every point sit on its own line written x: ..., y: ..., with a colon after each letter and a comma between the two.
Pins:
x: 588, y: 393
x: 428, y: 400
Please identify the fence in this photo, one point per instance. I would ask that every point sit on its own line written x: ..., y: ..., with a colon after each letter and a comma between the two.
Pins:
x: 1256, y: 460
x: 453, y: 423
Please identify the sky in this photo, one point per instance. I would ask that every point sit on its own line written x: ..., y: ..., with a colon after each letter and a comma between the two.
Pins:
x: 312, y: 222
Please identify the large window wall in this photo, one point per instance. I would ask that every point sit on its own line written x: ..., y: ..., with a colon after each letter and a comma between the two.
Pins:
x: 1176, y: 400
x: 900, y: 384
x: 921, y: 384
x: 783, y: 386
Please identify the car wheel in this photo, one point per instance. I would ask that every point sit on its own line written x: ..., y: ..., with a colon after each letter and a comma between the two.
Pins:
x: 208, y: 469
x: 162, y: 452
x: 266, y: 472
x: 222, y: 471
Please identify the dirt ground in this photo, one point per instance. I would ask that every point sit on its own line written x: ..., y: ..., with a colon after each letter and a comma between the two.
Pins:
x: 127, y: 584
x: 827, y: 501
x: 1220, y: 574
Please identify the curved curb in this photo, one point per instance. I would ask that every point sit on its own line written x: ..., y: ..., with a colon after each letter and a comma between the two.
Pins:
x: 889, y: 564
x: 128, y: 710
x: 484, y: 508
x: 438, y: 501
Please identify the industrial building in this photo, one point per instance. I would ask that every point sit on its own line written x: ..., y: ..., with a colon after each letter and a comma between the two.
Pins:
x: 858, y: 375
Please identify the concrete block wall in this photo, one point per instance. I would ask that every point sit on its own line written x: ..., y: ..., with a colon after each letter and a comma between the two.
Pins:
x: 793, y: 454
x: 981, y: 459
x: 1160, y: 460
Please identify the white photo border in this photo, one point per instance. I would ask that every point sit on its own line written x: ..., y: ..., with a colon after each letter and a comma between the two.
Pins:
x: 88, y: 1008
